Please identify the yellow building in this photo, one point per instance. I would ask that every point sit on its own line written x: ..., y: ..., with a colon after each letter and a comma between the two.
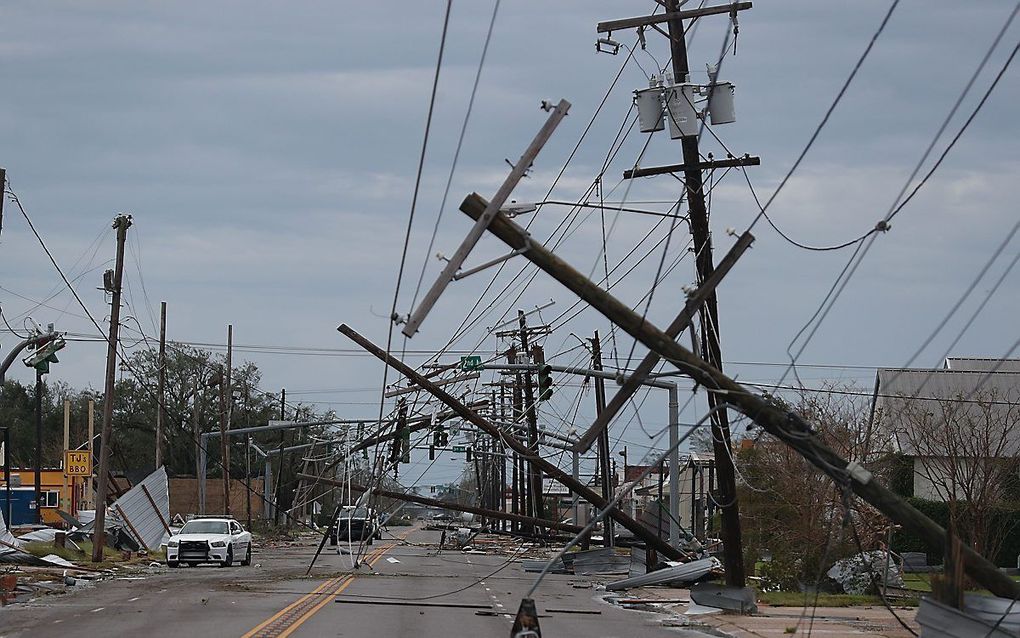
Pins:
x: 54, y: 495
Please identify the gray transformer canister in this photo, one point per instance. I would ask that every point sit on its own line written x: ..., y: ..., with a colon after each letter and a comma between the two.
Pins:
x: 649, y: 105
x: 720, y: 103
x: 680, y: 111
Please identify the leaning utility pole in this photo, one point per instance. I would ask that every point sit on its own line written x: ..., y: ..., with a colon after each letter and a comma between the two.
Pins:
x: 773, y: 417
x: 121, y: 223
x: 683, y: 118
x: 531, y: 406
x: 224, y: 442
x: 608, y: 535
x: 733, y: 558
x: 161, y: 385
x: 196, y: 432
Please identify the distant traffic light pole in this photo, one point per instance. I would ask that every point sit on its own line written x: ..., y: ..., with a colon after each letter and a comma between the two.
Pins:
x: 38, y: 446
x: 46, y: 345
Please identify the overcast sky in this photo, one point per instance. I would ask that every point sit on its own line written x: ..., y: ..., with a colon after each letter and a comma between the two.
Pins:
x: 267, y: 152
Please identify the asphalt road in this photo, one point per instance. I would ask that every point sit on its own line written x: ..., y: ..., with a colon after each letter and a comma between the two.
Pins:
x: 409, y: 590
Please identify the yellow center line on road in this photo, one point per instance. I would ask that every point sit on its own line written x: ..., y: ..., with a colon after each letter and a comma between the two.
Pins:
x: 328, y: 599
x: 287, y: 620
x: 293, y: 607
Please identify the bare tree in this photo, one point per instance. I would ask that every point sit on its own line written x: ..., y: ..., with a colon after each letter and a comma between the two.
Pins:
x: 964, y: 450
x: 793, y: 512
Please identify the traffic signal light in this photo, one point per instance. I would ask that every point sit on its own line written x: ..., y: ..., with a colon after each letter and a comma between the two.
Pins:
x: 45, y: 354
x: 467, y: 454
x: 405, y: 445
x: 545, y: 382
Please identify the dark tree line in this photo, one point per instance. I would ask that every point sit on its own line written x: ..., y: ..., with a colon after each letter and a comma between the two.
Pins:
x: 134, y: 415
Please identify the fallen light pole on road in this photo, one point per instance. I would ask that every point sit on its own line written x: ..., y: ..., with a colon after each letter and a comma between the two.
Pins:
x: 456, y: 507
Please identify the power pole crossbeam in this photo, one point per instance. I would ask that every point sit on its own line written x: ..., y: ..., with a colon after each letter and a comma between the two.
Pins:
x: 476, y: 232
x: 484, y: 425
x: 785, y: 425
x: 708, y: 165
x: 646, y: 21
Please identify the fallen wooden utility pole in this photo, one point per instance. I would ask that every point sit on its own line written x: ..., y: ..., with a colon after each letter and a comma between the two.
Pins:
x: 785, y: 425
x: 456, y: 507
x: 550, y: 470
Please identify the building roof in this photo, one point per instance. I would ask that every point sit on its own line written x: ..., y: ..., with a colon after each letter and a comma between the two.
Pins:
x: 976, y: 364
x: 910, y: 403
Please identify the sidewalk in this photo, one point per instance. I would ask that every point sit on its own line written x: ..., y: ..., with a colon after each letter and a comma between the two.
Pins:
x: 863, y: 621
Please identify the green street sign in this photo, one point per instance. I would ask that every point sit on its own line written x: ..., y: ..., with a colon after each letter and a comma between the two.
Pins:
x: 473, y: 362
x: 459, y: 448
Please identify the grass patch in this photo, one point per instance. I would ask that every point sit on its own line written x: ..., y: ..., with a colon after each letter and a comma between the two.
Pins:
x: 84, y: 558
x: 917, y: 582
x: 799, y: 599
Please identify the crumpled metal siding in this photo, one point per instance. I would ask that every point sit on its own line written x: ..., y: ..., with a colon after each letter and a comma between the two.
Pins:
x: 144, y: 521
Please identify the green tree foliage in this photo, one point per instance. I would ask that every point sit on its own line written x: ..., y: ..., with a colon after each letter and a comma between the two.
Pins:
x: 17, y: 412
x: 134, y: 415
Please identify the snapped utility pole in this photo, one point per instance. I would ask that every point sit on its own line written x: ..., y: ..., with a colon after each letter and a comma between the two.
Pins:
x: 121, y: 224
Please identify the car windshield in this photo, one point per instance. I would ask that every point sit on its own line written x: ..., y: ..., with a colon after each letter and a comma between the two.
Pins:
x: 205, y: 527
x: 361, y: 512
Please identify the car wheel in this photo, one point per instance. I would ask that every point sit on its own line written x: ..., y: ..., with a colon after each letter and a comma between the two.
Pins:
x: 172, y: 564
x: 247, y: 556
x: 229, y: 560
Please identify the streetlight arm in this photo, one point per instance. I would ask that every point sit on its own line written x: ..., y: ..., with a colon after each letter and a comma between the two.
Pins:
x: 13, y: 354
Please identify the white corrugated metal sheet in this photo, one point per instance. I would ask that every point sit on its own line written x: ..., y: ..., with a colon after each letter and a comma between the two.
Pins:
x: 146, y: 522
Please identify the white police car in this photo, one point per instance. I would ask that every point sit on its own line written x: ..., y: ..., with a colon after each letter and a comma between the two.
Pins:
x: 209, y: 539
